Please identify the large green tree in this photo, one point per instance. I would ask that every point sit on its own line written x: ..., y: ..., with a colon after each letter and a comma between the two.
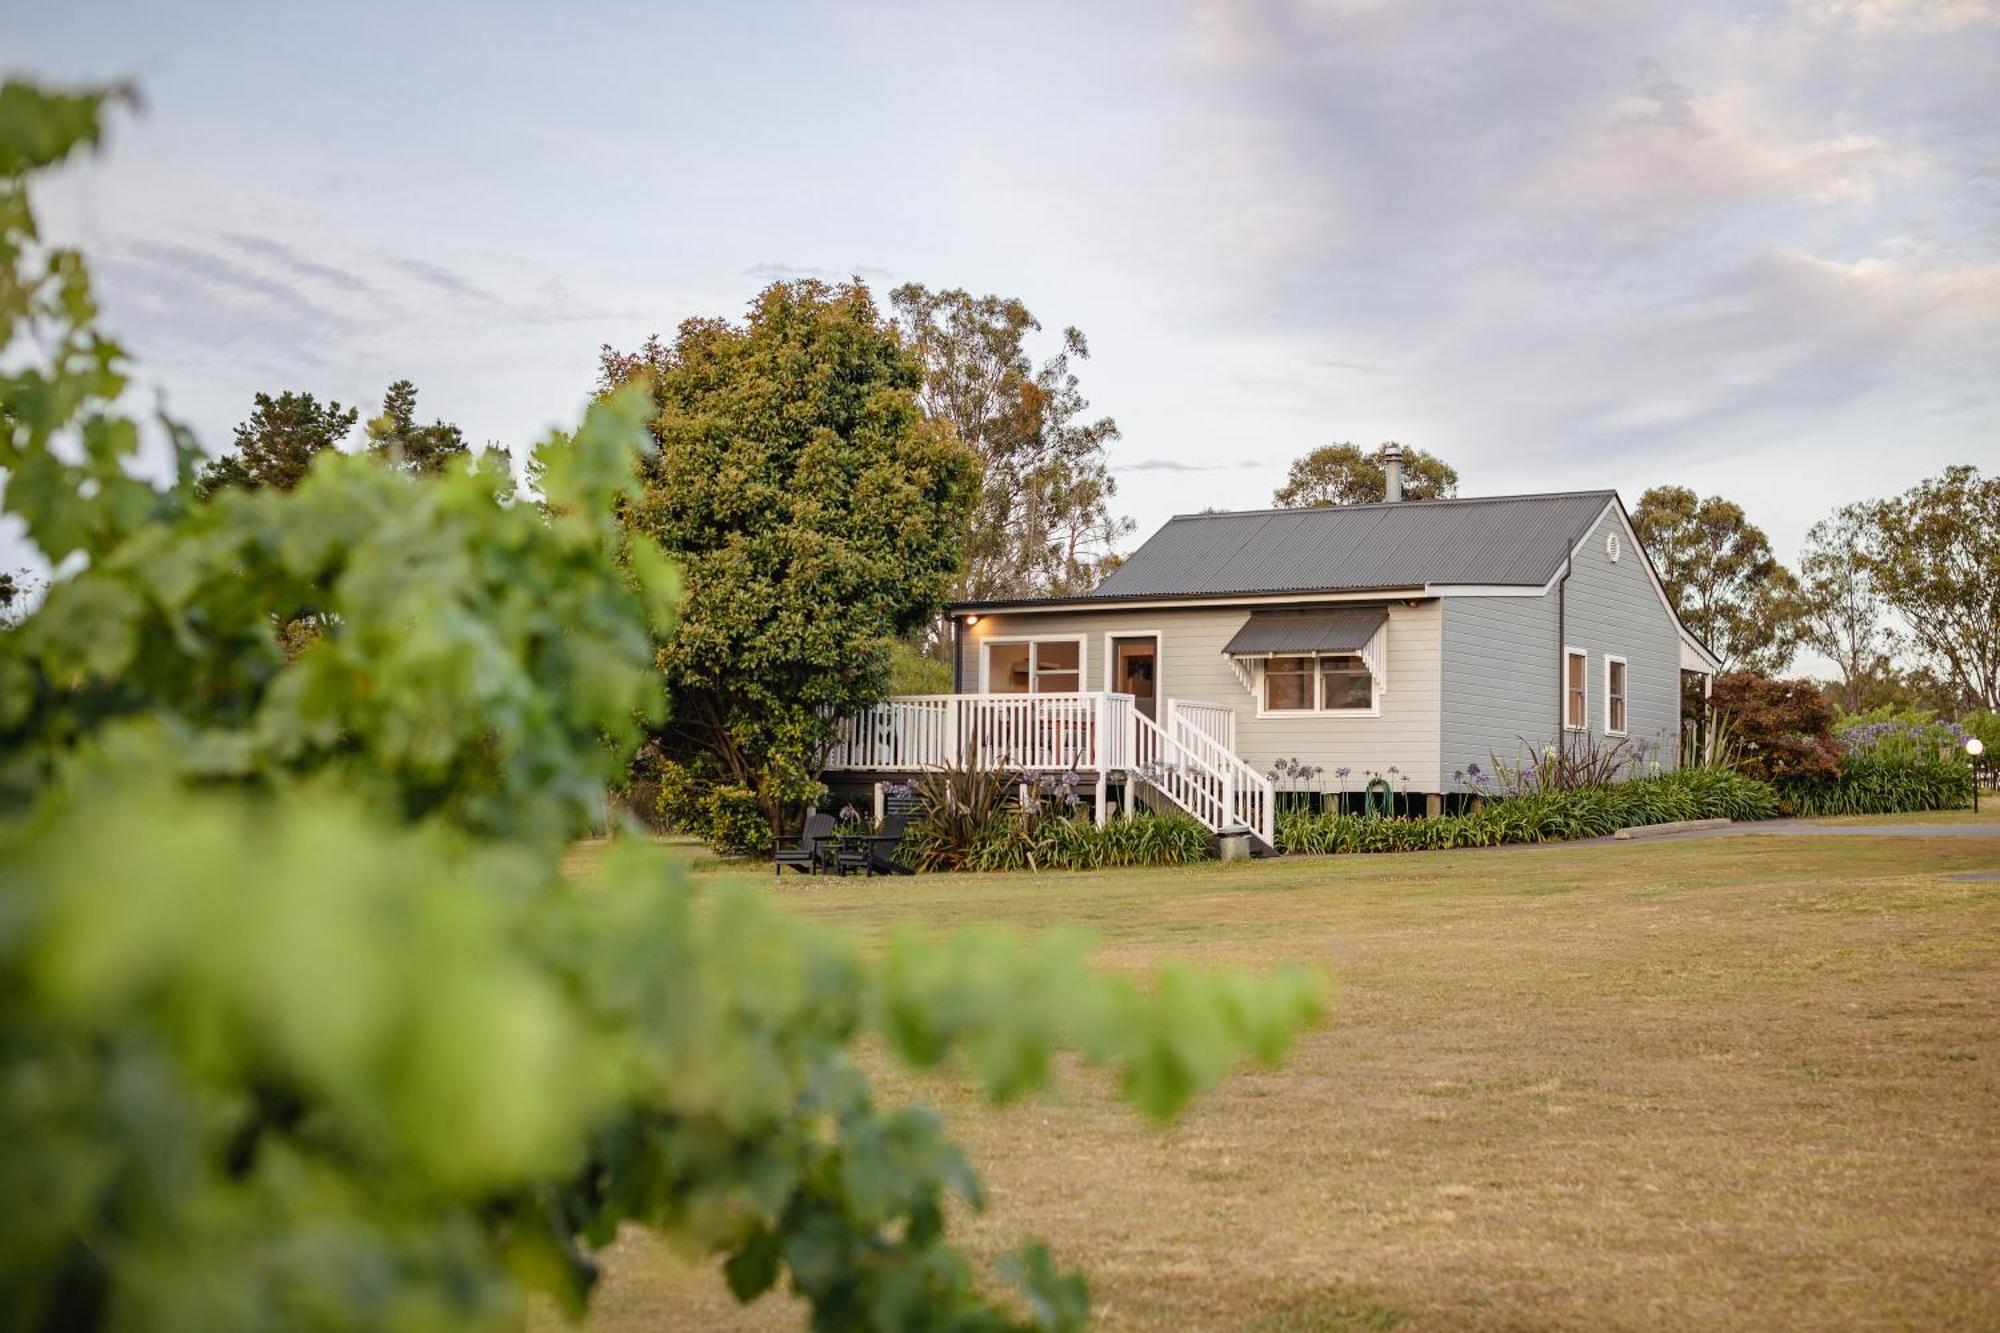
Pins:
x: 302, y: 1025
x: 1044, y: 523
x: 1721, y: 577
x: 1341, y: 474
x: 1932, y: 554
x: 1841, y: 612
x: 817, y: 513
x: 419, y: 450
x: 278, y: 443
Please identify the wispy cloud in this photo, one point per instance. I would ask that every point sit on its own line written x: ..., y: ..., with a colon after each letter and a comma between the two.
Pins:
x: 1176, y: 465
x: 298, y: 265
x: 443, y: 279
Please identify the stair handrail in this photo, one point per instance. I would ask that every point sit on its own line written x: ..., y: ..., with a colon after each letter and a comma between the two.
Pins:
x: 1253, y: 799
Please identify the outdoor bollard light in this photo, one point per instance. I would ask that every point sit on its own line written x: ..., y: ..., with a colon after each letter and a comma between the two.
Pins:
x: 1975, y: 747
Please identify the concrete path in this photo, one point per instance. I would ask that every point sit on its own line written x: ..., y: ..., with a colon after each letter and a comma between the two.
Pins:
x: 1808, y: 828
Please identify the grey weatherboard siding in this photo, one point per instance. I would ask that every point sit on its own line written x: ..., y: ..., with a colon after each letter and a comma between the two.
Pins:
x: 1503, y: 658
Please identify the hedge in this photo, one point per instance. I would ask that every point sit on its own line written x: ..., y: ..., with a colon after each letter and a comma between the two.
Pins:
x: 1590, y: 812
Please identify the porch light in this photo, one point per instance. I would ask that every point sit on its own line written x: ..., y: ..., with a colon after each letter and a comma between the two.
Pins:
x: 971, y: 620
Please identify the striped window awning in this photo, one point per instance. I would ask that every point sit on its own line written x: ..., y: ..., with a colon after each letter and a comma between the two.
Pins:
x: 1323, y: 632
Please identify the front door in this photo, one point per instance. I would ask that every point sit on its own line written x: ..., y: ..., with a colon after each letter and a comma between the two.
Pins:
x: 1134, y: 671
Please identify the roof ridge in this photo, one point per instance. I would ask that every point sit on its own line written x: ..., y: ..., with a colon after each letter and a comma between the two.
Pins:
x: 1386, y: 504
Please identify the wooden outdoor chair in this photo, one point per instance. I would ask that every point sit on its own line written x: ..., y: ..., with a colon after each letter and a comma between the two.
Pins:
x: 874, y: 854
x: 808, y: 854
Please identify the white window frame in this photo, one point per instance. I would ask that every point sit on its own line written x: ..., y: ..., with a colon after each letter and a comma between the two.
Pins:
x: 1625, y: 697
x: 1082, y: 642
x: 1159, y: 662
x: 1570, y: 654
x: 1319, y: 708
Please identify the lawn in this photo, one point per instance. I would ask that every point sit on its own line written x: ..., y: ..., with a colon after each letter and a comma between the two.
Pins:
x: 1751, y: 1082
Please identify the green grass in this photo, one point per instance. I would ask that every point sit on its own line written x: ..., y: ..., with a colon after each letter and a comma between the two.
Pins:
x: 1739, y: 1082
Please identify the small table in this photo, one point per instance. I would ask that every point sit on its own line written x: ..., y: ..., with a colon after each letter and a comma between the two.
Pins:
x: 882, y: 861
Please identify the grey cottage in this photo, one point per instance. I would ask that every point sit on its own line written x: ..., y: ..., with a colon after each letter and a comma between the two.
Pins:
x: 1408, y: 640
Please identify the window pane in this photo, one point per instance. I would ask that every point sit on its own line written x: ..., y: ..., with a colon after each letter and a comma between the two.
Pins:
x: 1056, y: 655
x: 1056, y: 682
x: 1288, y: 683
x: 1616, y: 701
x: 1576, y: 671
x: 1007, y: 668
x: 1574, y: 712
x: 1345, y: 683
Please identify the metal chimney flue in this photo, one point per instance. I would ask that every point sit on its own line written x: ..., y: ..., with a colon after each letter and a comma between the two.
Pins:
x: 1392, y: 472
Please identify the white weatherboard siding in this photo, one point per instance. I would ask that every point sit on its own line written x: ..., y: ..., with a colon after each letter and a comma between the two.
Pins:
x: 1192, y: 666
x: 1612, y: 608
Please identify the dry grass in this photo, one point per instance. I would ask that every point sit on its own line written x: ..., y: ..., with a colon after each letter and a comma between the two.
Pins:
x: 1740, y: 1082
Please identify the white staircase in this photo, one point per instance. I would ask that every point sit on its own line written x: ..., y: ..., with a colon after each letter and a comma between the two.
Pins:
x: 1204, y: 777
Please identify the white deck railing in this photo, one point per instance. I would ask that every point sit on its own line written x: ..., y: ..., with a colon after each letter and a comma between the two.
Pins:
x: 1035, y: 733
x: 1215, y: 721
x: 1189, y: 761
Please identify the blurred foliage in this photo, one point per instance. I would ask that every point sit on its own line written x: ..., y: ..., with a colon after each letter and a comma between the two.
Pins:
x: 300, y: 1025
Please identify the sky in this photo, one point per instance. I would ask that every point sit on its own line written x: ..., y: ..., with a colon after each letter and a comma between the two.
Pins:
x: 1752, y: 249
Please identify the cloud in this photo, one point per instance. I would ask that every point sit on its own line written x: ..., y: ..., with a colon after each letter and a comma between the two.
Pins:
x: 443, y: 279
x: 296, y: 264
x: 1176, y: 465
x: 1577, y: 230
x: 773, y: 271
x: 1879, y: 17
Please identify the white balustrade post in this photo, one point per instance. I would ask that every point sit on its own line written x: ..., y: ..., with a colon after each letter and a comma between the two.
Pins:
x: 1228, y: 796
x: 1099, y: 753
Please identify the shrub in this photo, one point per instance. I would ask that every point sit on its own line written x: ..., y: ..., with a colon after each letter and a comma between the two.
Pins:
x: 1540, y: 816
x: 1893, y: 763
x: 727, y: 816
x: 972, y: 819
x: 1783, y: 728
x: 1574, y: 763
x: 962, y: 810
x: 1077, y: 842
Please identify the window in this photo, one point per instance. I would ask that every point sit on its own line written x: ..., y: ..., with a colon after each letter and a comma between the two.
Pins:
x: 1288, y: 685
x: 1614, y: 695
x: 1034, y: 666
x: 1333, y: 684
x: 1058, y: 666
x: 1345, y: 683
x: 1575, y: 714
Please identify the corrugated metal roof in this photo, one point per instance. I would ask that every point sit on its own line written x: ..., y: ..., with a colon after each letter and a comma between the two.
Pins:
x: 1512, y: 539
x: 1334, y: 630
